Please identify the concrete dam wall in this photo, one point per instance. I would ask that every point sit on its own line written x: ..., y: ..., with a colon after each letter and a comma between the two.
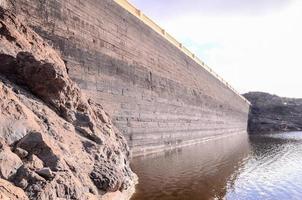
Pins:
x: 159, y: 95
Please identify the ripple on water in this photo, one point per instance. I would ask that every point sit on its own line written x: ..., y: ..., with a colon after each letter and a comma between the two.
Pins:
x: 263, y: 167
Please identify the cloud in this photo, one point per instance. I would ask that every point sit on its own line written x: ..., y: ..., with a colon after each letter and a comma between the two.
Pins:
x: 252, y: 52
x: 168, y: 8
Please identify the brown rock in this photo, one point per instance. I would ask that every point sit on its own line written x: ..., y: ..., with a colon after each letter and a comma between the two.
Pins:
x: 54, y: 129
x: 15, y: 118
x: 103, y: 116
x: 9, y: 163
x: 35, y: 162
x: 106, y: 178
x: 9, y: 192
x: 40, y: 145
x: 45, y: 172
x: 21, y: 152
x: 22, y: 183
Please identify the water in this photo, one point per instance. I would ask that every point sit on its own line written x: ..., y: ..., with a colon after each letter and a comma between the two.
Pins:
x: 267, y: 167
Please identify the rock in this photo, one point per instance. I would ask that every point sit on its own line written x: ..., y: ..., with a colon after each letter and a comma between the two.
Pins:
x: 107, y: 130
x: 59, y: 135
x: 15, y: 118
x: 21, y: 152
x: 25, y: 173
x: 23, y: 183
x: 45, y: 172
x: 10, y: 192
x: 105, y: 178
x: 9, y: 163
x: 35, y: 162
x: 272, y: 114
x: 103, y: 116
x: 40, y: 145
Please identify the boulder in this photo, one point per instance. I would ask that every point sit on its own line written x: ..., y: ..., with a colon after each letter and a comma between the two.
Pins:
x: 10, y: 192
x: 9, y: 163
x: 21, y: 152
x: 34, y: 162
x: 45, y: 172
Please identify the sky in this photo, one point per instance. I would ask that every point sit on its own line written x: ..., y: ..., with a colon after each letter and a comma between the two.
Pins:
x: 256, y: 45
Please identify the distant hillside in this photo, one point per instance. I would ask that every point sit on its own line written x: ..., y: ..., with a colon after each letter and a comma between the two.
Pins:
x: 271, y: 113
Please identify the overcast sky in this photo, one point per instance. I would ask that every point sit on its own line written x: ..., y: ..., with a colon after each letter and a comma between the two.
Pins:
x: 256, y: 45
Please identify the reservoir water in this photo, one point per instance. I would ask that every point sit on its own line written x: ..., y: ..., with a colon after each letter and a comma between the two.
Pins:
x: 260, y: 167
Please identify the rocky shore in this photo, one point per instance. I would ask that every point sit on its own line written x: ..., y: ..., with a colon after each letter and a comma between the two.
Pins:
x: 271, y: 114
x: 54, y: 142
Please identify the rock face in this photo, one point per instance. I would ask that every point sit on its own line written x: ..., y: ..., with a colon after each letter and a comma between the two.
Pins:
x: 54, y: 142
x: 270, y: 113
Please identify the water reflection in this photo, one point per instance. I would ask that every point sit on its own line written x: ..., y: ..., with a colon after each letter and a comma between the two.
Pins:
x: 197, y: 172
x: 259, y: 167
x: 273, y: 169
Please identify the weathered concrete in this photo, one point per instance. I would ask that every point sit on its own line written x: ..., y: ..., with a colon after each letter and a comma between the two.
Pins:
x: 159, y: 97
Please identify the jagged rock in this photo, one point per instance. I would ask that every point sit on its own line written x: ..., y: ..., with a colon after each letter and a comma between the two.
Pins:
x: 28, y: 174
x: 16, y: 119
x: 9, y: 192
x: 103, y: 116
x: 45, y: 172
x: 34, y: 162
x: 64, y: 141
x: 21, y: 152
x: 105, y: 178
x: 40, y: 145
x: 22, y: 183
x: 9, y: 163
x: 271, y: 114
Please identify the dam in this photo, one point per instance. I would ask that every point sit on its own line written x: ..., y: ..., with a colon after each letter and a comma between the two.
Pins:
x: 159, y: 94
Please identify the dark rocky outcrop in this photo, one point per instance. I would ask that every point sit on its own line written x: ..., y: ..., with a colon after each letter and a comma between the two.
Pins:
x: 54, y: 142
x: 270, y: 113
